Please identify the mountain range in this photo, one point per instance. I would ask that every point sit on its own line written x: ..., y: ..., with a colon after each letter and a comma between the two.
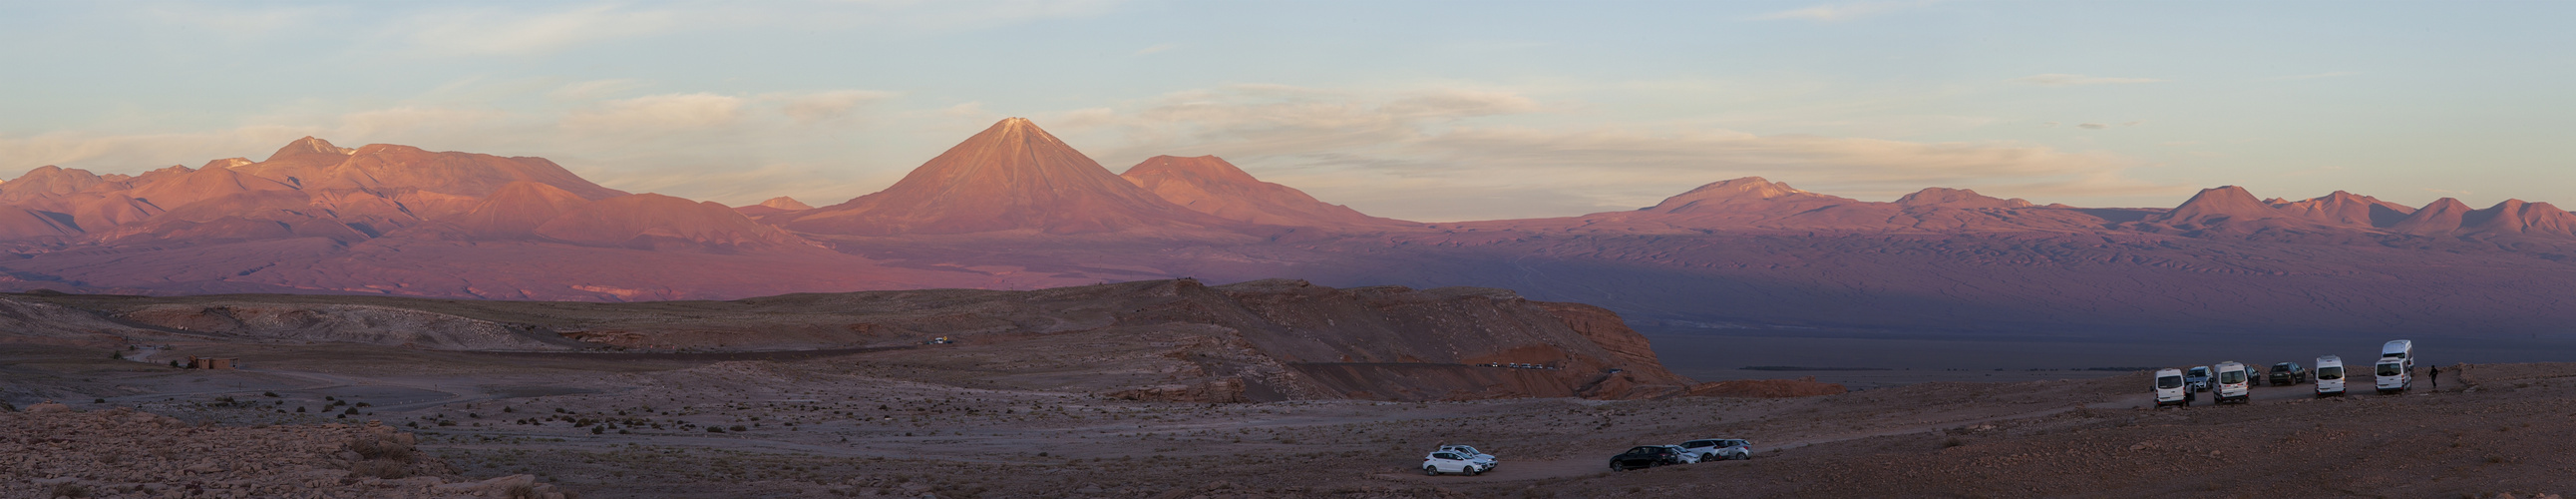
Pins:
x: 1014, y: 207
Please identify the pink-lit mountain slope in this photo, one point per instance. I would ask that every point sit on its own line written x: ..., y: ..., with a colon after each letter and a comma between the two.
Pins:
x: 1210, y: 185
x: 1016, y: 208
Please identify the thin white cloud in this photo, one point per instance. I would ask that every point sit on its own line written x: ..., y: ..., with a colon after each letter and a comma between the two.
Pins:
x: 1424, y: 154
x: 820, y: 106
x: 2336, y: 74
x: 594, y: 89
x: 507, y: 32
x: 1839, y: 12
x: 670, y: 112
x: 2062, y: 79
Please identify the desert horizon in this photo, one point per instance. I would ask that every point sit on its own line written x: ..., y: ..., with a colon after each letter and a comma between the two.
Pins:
x: 1122, y: 248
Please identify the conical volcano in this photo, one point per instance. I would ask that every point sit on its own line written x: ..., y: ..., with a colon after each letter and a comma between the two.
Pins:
x: 1009, y: 177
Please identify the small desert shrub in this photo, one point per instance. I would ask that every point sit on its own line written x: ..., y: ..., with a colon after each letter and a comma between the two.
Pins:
x: 740, y: 428
x: 1953, y: 442
x: 70, y: 490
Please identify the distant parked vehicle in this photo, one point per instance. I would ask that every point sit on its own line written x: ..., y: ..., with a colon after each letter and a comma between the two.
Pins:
x: 943, y: 340
x: 2288, y: 373
x: 1717, y: 449
x: 1453, y: 462
x: 1647, y: 456
x: 2403, y: 350
x: 2231, y: 383
x: 2329, y: 376
x: 2198, y: 378
x: 2171, y: 390
x: 2394, y: 375
x: 1472, y: 454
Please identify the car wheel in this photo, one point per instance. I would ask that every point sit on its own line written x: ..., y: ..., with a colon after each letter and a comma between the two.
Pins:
x: 1431, y: 471
x: 1475, y: 471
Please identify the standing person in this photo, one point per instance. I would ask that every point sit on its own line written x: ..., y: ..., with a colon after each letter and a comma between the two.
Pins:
x: 2436, y: 377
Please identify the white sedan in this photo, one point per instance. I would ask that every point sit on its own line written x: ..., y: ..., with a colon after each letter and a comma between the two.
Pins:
x: 1454, y: 462
x: 1716, y: 449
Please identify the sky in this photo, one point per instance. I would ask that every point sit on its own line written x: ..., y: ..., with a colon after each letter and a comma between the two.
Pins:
x: 1431, y: 111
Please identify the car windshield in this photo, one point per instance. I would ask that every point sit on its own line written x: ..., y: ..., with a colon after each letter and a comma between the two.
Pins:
x: 1737, y: 443
x: 1694, y: 444
x: 2391, y: 369
x: 1644, y: 450
x: 2231, y: 377
x: 2330, y: 373
x: 1465, y: 449
x: 2202, y: 372
x: 2281, y: 366
x: 2169, y: 382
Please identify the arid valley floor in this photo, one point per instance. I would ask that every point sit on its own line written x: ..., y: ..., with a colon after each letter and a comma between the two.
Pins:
x: 893, y: 423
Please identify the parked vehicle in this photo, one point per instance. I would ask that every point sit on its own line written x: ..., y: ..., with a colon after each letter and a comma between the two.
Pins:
x: 1647, y: 456
x: 2170, y: 389
x: 2288, y: 373
x: 1453, y: 462
x: 2198, y: 378
x: 1472, y: 454
x: 2403, y: 350
x: 2329, y: 375
x: 2231, y: 383
x: 2394, y: 375
x: 1715, y: 449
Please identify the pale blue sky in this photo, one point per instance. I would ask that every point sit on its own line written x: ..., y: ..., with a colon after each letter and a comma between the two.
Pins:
x: 1422, y: 110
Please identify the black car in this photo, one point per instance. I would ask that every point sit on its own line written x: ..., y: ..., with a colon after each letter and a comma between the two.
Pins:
x: 1646, y: 456
x: 2289, y: 373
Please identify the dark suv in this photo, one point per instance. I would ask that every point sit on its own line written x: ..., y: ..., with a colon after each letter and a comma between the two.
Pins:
x: 2288, y: 373
x: 1646, y: 456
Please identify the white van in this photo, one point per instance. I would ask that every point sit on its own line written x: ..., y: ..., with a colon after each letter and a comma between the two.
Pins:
x: 2329, y: 375
x: 2403, y: 350
x: 2394, y: 375
x: 2170, y: 390
x: 2232, y: 384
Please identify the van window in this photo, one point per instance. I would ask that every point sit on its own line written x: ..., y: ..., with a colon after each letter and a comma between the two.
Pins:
x: 2391, y: 369
x: 2231, y: 377
x: 2330, y: 372
x: 2169, y: 382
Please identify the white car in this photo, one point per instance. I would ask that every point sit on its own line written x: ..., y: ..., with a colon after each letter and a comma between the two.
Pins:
x: 2171, y: 390
x: 1454, y: 462
x: 2330, y: 375
x: 2232, y: 383
x: 1717, y: 449
x: 2393, y: 375
x: 1467, y: 450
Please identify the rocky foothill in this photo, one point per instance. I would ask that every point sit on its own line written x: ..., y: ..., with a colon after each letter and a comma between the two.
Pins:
x: 50, y: 450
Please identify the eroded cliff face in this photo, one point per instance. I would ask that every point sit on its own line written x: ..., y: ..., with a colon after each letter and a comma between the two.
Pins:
x: 1173, y: 340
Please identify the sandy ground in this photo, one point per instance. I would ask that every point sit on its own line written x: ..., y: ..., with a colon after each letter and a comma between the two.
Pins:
x: 872, y: 424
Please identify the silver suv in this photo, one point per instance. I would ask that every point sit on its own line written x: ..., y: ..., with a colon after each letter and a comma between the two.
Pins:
x: 1712, y: 449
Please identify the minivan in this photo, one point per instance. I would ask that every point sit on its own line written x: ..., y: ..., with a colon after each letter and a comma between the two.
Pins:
x: 2329, y: 375
x: 2170, y: 390
x: 2394, y: 375
x: 2403, y: 350
x: 2231, y: 383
